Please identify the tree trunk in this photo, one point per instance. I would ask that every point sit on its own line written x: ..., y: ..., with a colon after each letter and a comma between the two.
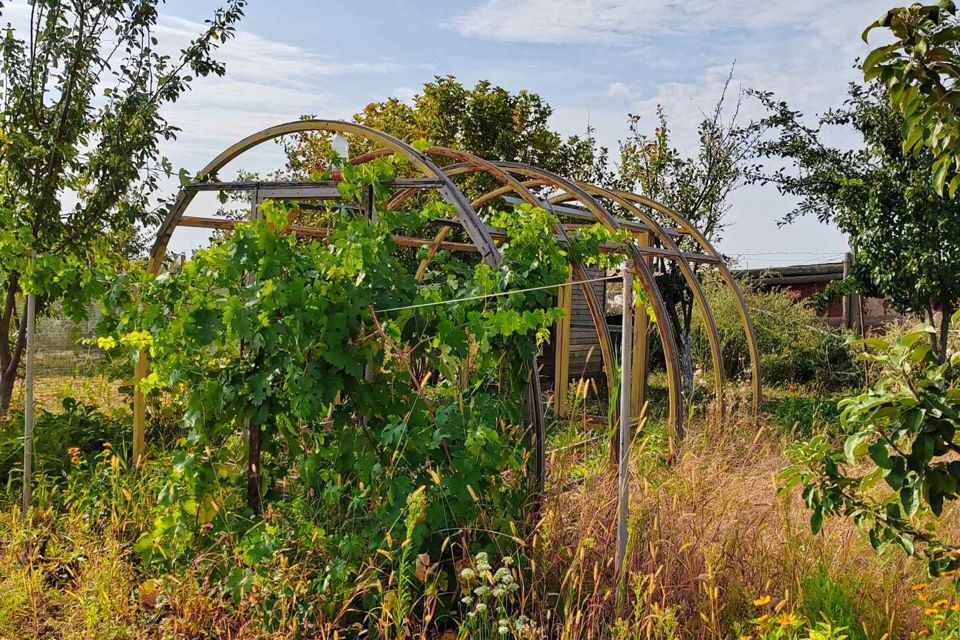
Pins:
x: 10, y: 356
x: 947, y: 311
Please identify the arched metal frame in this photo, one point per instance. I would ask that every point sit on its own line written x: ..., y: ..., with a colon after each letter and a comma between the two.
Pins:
x: 507, y: 173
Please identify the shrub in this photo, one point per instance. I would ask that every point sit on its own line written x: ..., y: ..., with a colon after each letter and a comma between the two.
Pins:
x: 796, y: 346
x: 79, y: 426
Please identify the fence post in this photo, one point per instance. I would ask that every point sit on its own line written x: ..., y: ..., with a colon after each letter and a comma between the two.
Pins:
x: 846, y: 306
x: 623, y: 468
x: 31, y: 320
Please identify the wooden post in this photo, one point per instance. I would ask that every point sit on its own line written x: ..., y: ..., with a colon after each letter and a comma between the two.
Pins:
x: 561, y: 350
x: 31, y: 320
x: 623, y: 468
x: 139, y: 411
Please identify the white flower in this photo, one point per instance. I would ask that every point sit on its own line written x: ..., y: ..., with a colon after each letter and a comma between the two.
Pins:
x: 482, y: 590
x: 481, y: 607
x: 513, y: 586
x: 468, y: 574
x: 507, y: 561
x: 503, y: 630
x: 499, y: 592
x: 467, y: 600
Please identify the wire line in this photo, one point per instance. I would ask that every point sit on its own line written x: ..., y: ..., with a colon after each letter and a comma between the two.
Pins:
x: 498, y: 294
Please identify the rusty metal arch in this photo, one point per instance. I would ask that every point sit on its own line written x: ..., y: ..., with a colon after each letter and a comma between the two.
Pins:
x: 467, y: 216
x: 470, y: 163
x: 742, y: 310
x: 671, y: 357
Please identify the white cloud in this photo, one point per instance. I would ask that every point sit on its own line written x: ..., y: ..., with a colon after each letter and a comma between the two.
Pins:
x: 618, y: 90
x: 404, y: 94
x: 599, y: 21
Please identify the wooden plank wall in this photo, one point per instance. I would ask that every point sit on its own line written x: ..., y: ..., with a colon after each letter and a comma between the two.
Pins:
x: 586, y: 359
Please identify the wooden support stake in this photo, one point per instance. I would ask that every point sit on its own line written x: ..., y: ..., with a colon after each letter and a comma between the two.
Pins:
x: 31, y: 320
x: 623, y: 468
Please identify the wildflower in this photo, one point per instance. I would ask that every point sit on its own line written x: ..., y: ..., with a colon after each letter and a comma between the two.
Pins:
x: 481, y: 591
x: 940, y: 603
x: 73, y: 451
x: 467, y: 600
x: 922, y: 597
x: 920, y: 587
x: 75, y: 460
x: 107, y: 343
x: 481, y: 607
x: 507, y: 561
x: 745, y: 637
x: 107, y: 445
x: 955, y: 607
x: 929, y: 611
x: 468, y: 574
x: 499, y: 592
x: 762, y: 619
x: 503, y: 630
x: 787, y: 619
x: 762, y: 600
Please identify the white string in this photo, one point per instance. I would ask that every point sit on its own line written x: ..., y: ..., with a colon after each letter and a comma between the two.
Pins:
x: 498, y: 294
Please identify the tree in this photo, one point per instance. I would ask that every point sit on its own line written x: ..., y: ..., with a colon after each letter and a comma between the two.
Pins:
x: 487, y: 120
x: 905, y: 236
x: 697, y: 187
x: 920, y: 71
x: 83, y: 91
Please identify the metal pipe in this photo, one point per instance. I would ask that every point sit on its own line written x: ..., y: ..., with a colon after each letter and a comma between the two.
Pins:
x: 626, y: 385
x: 28, y: 403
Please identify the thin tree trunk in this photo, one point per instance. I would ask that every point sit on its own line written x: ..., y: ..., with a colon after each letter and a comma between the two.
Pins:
x: 12, y: 358
x: 947, y: 312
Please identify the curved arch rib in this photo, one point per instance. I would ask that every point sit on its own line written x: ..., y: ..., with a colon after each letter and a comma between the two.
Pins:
x: 469, y: 163
x: 742, y: 311
x: 465, y: 212
x: 664, y: 327
x: 685, y: 269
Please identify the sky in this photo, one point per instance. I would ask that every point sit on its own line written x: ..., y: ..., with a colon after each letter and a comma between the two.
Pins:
x: 594, y: 61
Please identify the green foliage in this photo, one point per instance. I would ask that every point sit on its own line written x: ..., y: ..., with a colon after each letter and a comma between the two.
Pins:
x: 903, y: 234
x: 824, y: 598
x: 486, y: 120
x: 796, y: 346
x: 920, y: 70
x: 697, y: 186
x: 80, y: 426
x: 900, y: 433
x: 80, y: 132
x: 368, y: 386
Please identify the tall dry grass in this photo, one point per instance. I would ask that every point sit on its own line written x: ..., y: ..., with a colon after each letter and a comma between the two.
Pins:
x: 708, y: 535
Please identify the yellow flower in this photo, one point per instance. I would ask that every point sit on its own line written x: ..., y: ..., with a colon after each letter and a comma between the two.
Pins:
x: 787, y: 619
x: 940, y: 603
x: 107, y: 343
x: 75, y: 460
x: 955, y: 607
x: 745, y: 637
x: 920, y: 587
x: 762, y: 600
x: 107, y: 445
x: 762, y: 619
x: 929, y: 611
x: 73, y: 451
x: 922, y: 597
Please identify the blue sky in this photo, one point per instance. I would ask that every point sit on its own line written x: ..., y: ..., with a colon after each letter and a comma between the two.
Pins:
x: 594, y: 60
